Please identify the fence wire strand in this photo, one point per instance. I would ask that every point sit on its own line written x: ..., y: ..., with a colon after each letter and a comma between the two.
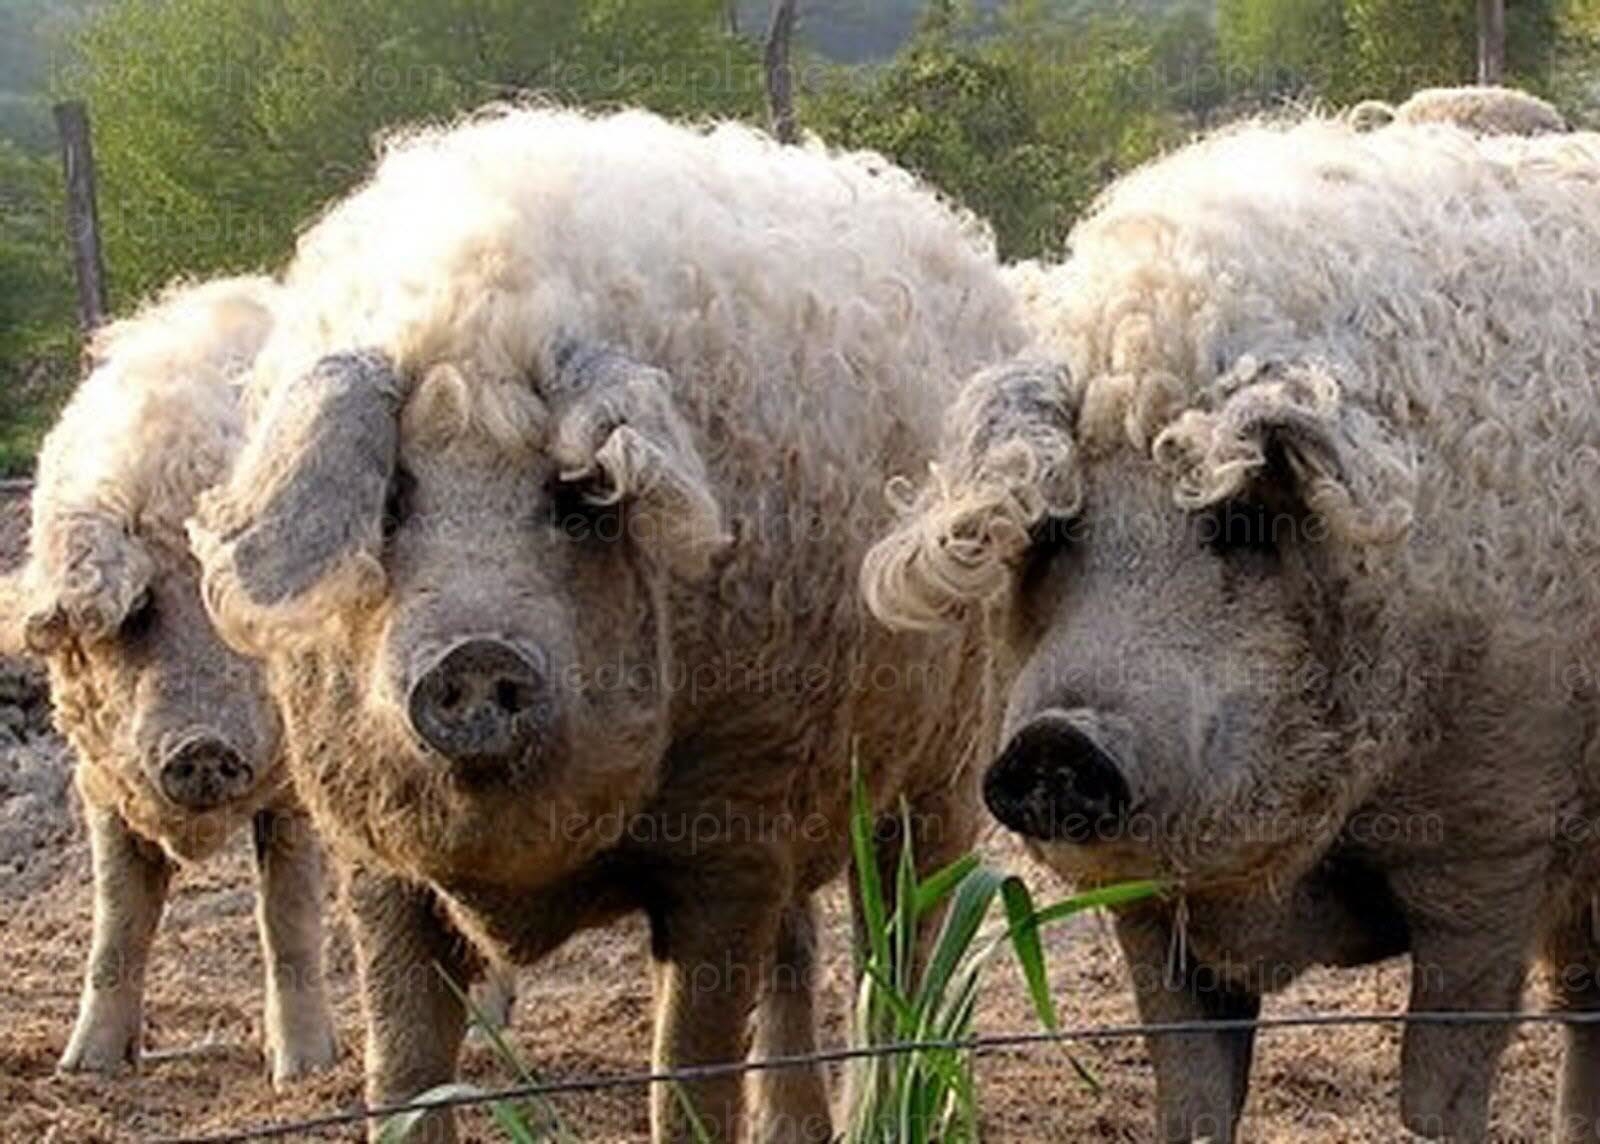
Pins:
x: 991, y: 1043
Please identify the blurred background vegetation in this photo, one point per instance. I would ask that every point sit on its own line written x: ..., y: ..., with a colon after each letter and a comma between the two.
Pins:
x: 221, y: 126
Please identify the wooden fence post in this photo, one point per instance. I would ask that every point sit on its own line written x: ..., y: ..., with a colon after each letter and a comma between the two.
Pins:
x: 1491, y: 41
x: 780, y: 80
x: 83, y: 217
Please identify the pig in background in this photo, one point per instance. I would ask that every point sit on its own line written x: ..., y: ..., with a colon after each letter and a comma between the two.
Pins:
x: 176, y: 739
x: 1291, y: 539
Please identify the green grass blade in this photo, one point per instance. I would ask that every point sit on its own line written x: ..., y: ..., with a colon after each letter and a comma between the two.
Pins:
x: 1024, y: 927
x: 940, y: 884
x: 547, y: 1113
x: 905, y: 904
x: 511, y: 1123
x: 873, y: 914
x: 400, y: 1126
x: 887, y: 992
x: 968, y: 907
x: 480, y: 1019
x: 697, y: 1127
x: 1116, y: 894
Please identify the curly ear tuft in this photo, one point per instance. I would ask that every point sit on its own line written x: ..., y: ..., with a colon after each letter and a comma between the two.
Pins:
x: 618, y: 434
x: 1363, y: 491
x: 1008, y: 464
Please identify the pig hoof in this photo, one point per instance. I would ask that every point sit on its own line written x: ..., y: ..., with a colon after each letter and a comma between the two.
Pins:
x: 493, y: 1000
x: 309, y: 1054
x: 100, y: 1050
x: 493, y: 1016
x: 1439, y: 1114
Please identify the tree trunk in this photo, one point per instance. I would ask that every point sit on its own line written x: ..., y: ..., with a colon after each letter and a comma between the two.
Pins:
x: 730, y: 13
x: 1491, y: 41
x: 83, y: 219
x: 780, y: 79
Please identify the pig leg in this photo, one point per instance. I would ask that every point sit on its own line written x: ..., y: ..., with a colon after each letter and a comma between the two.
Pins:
x: 1201, y: 1078
x: 711, y: 946
x: 1470, y: 933
x: 130, y: 888
x: 415, y: 1022
x: 299, y: 1027
x: 1573, y: 958
x: 495, y: 997
x: 790, y: 1104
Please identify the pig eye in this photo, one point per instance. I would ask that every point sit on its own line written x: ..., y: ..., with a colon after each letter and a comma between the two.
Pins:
x: 397, y: 506
x: 1240, y: 526
x: 1053, y: 534
x: 140, y: 618
x: 574, y: 511
x: 1050, y: 538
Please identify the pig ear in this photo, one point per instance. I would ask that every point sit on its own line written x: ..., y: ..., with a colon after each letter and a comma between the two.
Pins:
x: 1281, y: 430
x: 295, y: 534
x: 1006, y: 467
x: 86, y: 573
x: 618, y: 439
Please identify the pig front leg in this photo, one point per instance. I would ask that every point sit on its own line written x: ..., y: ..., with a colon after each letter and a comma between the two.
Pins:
x: 711, y: 947
x: 790, y: 1105
x: 299, y: 1028
x: 1201, y: 1078
x: 130, y: 887
x: 1472, y: 926
x: 415, y: 1022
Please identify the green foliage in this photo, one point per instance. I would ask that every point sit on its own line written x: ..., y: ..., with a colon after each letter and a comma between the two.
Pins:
x: 1282, y: 47
x: 1022, y: 127
x: 929, y: 997
x: 222, y: 125
x: 1348, y: 50
x: 28, y: 29
x: 38, y: 341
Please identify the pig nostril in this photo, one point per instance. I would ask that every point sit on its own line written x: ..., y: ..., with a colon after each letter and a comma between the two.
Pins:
x: 1094, y: 784
x: 1054, y: 781
x: 204, y: 773
x: 481, y: 702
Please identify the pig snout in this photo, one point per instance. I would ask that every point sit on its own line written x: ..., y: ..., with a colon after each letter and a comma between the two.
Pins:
x: 1056, y: 780
x: 202, y: 772
x: 482, y: 703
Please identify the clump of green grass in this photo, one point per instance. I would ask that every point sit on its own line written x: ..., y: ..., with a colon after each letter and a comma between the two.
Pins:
x: 906, y: 995
x: 929, y: 1094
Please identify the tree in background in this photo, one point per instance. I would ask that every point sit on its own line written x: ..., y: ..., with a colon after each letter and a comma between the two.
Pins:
x: 38, y: 335
x: 222, y: 125
x: 1346, y: 50
x: 1278, y: 48
x: 1023, y: 126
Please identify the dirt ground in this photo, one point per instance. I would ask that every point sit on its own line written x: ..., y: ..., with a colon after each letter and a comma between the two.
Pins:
x: 586, y: 1011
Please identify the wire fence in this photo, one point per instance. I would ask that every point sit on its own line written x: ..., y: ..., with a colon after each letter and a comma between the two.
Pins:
x: 991, y: 1043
